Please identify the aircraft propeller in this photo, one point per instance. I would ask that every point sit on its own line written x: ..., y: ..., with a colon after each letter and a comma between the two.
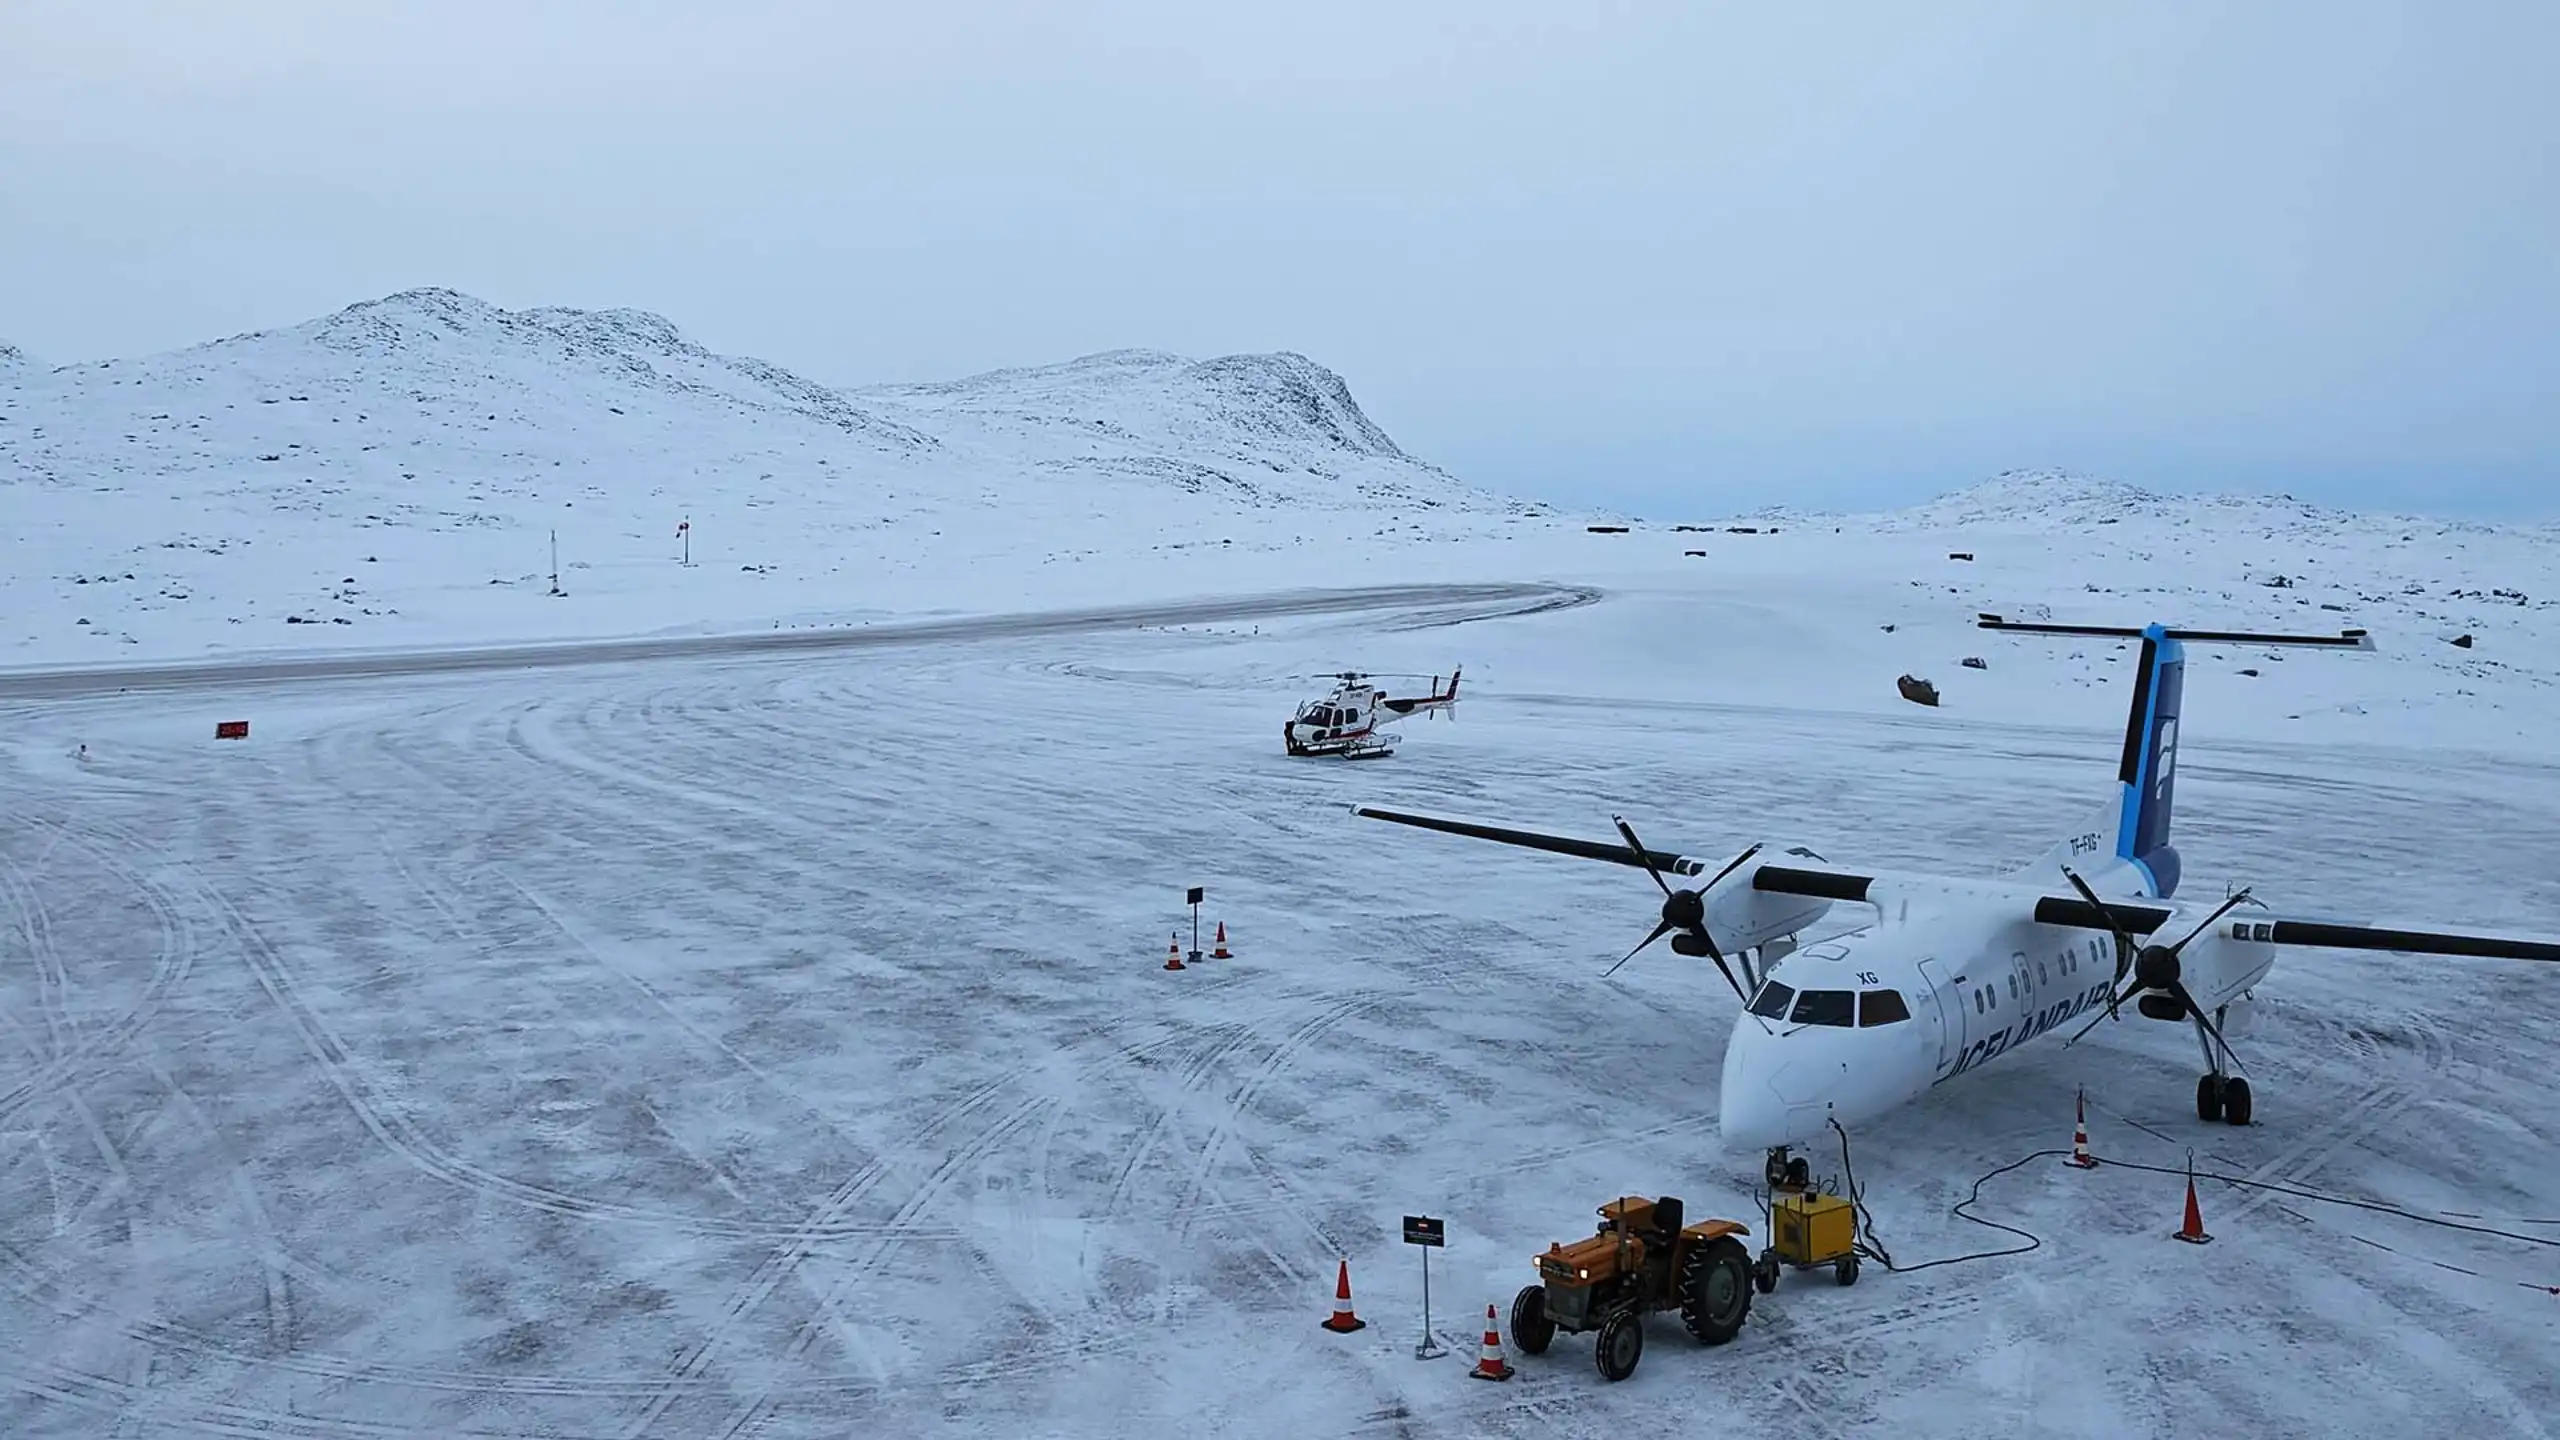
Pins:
x: 2155, y: 967
x: 1683, y: 911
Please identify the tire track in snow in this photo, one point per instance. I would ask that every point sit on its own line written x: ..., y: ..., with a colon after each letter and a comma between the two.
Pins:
x: 53, y: 986
x: 692, y: 1369
x: 395, y: 1133
x: 74, y: 1062
x: 1281, y: 1056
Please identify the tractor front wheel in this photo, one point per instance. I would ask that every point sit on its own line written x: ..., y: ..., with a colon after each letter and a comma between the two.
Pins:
x: 1531, y: 1330
x: 1621, y: 1344
x: 1715, y: 1290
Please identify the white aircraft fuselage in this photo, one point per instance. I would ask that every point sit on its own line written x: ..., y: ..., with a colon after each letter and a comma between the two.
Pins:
x: 1976, y: 983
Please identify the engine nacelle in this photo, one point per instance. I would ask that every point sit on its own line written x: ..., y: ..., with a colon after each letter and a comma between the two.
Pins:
x: 1741, y: 917
x: 2220, y: 968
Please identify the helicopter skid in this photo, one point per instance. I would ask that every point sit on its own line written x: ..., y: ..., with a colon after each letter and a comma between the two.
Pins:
x: 1365, y: 748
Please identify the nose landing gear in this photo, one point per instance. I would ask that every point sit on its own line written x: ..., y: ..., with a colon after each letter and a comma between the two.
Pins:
x: 1785, y: 1172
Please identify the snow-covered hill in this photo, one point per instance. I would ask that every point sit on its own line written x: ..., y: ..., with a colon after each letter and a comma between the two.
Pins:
x: 1266, y: 429
x: 393, y: 474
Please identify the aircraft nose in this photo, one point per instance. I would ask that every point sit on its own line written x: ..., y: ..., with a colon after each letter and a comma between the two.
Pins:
x: 1771, y: 1095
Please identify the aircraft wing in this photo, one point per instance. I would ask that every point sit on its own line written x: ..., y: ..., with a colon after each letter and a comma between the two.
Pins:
x: 1782, y: 879
x: 1613, y: 851
x: 2323, y: 935
x: 2138, y: 918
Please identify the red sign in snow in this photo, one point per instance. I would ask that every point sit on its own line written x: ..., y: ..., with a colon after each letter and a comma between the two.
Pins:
x: 230, y: 729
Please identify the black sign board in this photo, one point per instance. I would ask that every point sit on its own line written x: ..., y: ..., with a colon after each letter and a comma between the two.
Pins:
x: 1196, y: 892
x: 1423, y: 1230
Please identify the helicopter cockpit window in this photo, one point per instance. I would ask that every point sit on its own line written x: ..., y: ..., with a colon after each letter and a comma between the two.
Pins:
x: 1825, y: 1007
x: 1771, y: 1003
x: 1881, y: 1007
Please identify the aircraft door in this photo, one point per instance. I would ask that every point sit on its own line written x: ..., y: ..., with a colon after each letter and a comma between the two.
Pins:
x: 1949, y: 1003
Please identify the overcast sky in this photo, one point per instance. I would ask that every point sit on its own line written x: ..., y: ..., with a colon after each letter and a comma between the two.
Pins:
x: 1660, y: 256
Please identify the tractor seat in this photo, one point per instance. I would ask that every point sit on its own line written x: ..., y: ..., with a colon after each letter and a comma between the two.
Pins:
x: 1667, y: 1215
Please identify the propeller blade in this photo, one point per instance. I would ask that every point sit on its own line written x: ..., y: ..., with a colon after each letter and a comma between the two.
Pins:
x: 2126, y: 950
x: 2101, y: 906
x: 2228, y: 906
x: 1730, y: 866
x: 2113, y: 1002
x: 1718, y: 956
x: 1658, y: 932
x: 1636, y: 845
x: 2180, y: 990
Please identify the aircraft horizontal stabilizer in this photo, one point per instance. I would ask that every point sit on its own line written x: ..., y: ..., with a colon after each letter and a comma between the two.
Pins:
x: 2343, y: 640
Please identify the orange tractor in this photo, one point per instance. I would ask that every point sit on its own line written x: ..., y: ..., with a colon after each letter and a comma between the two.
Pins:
x: 1643, y: 1259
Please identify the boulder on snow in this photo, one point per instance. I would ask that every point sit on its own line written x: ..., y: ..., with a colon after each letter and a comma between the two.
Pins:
x: 1975, y: 662
x: 1917, y: 690
x: 2462, y: 642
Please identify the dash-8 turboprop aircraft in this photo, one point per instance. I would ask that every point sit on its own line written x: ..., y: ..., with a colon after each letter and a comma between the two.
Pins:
x: 1956, y: 973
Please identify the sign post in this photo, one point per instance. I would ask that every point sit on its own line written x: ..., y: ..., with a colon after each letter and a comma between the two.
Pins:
x: 684, y: 532
x: 1196, y: 893
x: 1431, y: 1235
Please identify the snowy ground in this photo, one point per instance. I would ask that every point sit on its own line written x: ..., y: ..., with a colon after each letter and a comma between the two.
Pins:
x: 726, y: 999
x: 778, y: 1045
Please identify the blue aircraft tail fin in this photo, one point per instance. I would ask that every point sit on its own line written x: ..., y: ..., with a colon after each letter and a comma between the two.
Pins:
x: 2146, y: 780
x: 2148, y: 776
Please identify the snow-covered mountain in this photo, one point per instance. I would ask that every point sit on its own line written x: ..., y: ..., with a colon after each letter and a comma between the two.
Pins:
x: 418, y: 451
x: 1265, y: 428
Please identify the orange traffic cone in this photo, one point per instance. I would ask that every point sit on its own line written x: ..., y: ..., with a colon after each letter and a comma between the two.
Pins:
x: 1173, y: 957
x: 1489, y: 1362
x: 2080, y: 1155
x: 1220, y: 953
x: 2193, y: 1230
x: 1343, y: 1321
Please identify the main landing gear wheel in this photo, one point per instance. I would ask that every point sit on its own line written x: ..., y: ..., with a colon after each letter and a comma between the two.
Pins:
x: 1620, y: 1346
x: 2209, y: 1098
x: 1531, y: 1330
x: 2235, y: 1101
x: 1715, y: 1290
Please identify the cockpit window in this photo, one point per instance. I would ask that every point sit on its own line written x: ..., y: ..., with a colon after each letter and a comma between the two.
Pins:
x: 1881, y: 1007
x: 1824, y: 1007
x: 1771, y: 1003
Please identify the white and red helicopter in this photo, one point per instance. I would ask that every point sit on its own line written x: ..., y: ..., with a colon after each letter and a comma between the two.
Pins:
x: 1957, y: 973
x: 1352, y: 722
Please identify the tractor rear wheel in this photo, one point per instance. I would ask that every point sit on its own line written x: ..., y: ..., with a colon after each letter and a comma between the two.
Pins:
x: 1715, y: 1290
x: 1621, y: 1343
x: 1531, y: 1330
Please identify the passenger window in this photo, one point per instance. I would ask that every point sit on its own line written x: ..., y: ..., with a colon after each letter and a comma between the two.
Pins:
x: 1825, y: 1007
x: 1881, y: 1007
x: 2041, y: 977
x: 1772, y: 1001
